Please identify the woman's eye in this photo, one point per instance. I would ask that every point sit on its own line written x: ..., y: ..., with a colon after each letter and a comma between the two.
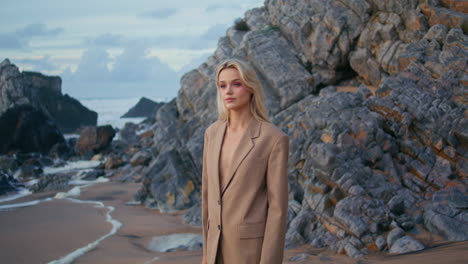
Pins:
x: 222, y: 86
x: 237, y: 84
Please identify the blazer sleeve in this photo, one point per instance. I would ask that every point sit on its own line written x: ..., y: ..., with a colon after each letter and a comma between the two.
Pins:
x: 205, y: 194
x: 277, y: 192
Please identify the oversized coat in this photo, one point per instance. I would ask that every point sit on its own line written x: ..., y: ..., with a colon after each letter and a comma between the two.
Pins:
x: 247, y: 219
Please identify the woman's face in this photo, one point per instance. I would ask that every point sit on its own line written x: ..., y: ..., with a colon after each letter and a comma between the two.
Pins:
x: 232, y: 91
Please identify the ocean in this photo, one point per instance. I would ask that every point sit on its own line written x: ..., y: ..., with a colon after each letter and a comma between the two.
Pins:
x: 111, y: 109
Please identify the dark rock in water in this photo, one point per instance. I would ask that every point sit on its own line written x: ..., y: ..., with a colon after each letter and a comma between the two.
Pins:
x: 8, y: 183
x: 94, y: 139
x: 52, y: 182
x: 28, y: 171
x: 144, y: 108
x: 26, y: 129
x: 44, y: 94
x: 92, y: 175
x: 8, y: 164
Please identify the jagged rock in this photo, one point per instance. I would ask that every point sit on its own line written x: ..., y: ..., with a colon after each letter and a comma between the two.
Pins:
x: 176, y: 192
x: 144, y: 108
x: 380, y: 243
x: 397, y: 205
x: 394, y: 235
x: 25, y: 129
x: 192, y: 216
x: 44, y: 94
x: 113, y: 161
x: 297, y: 228
x: 357, y: 213
x: 405, y: 244
x: 446, y: 220
x: 94, y: 139
x: 128, y: 133
x: 141, y: 158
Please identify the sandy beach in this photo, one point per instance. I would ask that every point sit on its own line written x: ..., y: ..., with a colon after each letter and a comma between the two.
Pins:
x: 52, y: 229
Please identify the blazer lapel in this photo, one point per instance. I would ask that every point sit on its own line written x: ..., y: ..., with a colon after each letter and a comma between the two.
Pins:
x: 218, y: 141
x: 243, y: 149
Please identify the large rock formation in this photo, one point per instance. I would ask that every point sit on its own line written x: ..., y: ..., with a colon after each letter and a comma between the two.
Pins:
x: 43, y: 93
x: 26, y: 129
x: 373, y: 97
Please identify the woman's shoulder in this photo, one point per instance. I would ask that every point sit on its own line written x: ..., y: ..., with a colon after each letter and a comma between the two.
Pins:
x: 271, y: 130
x: 213, y: 126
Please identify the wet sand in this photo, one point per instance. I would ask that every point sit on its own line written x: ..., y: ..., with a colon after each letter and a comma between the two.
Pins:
x: 47, y: 231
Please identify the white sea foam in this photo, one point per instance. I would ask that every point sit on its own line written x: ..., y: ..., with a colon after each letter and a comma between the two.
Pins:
x: 152, y: 260
x: 10, y: 206
x: 74, y: 192
x: 71, y: 166
x: 81, y: 251
x: 21, y: 193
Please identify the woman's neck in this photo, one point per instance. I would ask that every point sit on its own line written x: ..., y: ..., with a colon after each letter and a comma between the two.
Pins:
x: 238, y: 121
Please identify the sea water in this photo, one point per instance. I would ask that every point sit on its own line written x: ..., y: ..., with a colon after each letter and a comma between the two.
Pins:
x: 110, y: 110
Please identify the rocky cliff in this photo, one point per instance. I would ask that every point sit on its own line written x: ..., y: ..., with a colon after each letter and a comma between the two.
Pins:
x: 373, y: 97
x: 43, y: 93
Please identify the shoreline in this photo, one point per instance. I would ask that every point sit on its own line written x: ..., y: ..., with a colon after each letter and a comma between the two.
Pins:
x: 66, y: 226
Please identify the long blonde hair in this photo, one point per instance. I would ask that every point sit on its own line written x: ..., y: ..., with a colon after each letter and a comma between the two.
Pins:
x: 250, y: 81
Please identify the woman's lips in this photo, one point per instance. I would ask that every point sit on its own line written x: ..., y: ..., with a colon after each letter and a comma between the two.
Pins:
x: 230, y: 100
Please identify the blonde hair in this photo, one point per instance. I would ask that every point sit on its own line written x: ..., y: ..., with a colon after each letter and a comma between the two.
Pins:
x: 250, y: 81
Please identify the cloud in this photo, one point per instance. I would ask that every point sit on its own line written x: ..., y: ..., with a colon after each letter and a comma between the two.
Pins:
x: 161, y: 13
x: 133, y: 74
x: 217, y: 7
x: 105, y: 40
x: 41, y: 64
x: 20, y: 38
x: 37, y: 29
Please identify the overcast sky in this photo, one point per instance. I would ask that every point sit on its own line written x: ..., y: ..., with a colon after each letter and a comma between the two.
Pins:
x: 115, y: 48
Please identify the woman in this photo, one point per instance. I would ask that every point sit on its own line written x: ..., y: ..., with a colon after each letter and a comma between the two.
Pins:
x: 244, y: 182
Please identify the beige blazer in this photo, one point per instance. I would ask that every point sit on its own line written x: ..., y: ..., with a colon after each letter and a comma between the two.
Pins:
x: 248, y: 217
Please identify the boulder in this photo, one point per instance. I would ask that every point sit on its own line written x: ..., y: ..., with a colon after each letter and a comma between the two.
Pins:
x: 405, y: 244
x: 94, y: 139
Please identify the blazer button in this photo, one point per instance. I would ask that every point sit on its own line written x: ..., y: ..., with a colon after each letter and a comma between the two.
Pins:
x: 219, y: 227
